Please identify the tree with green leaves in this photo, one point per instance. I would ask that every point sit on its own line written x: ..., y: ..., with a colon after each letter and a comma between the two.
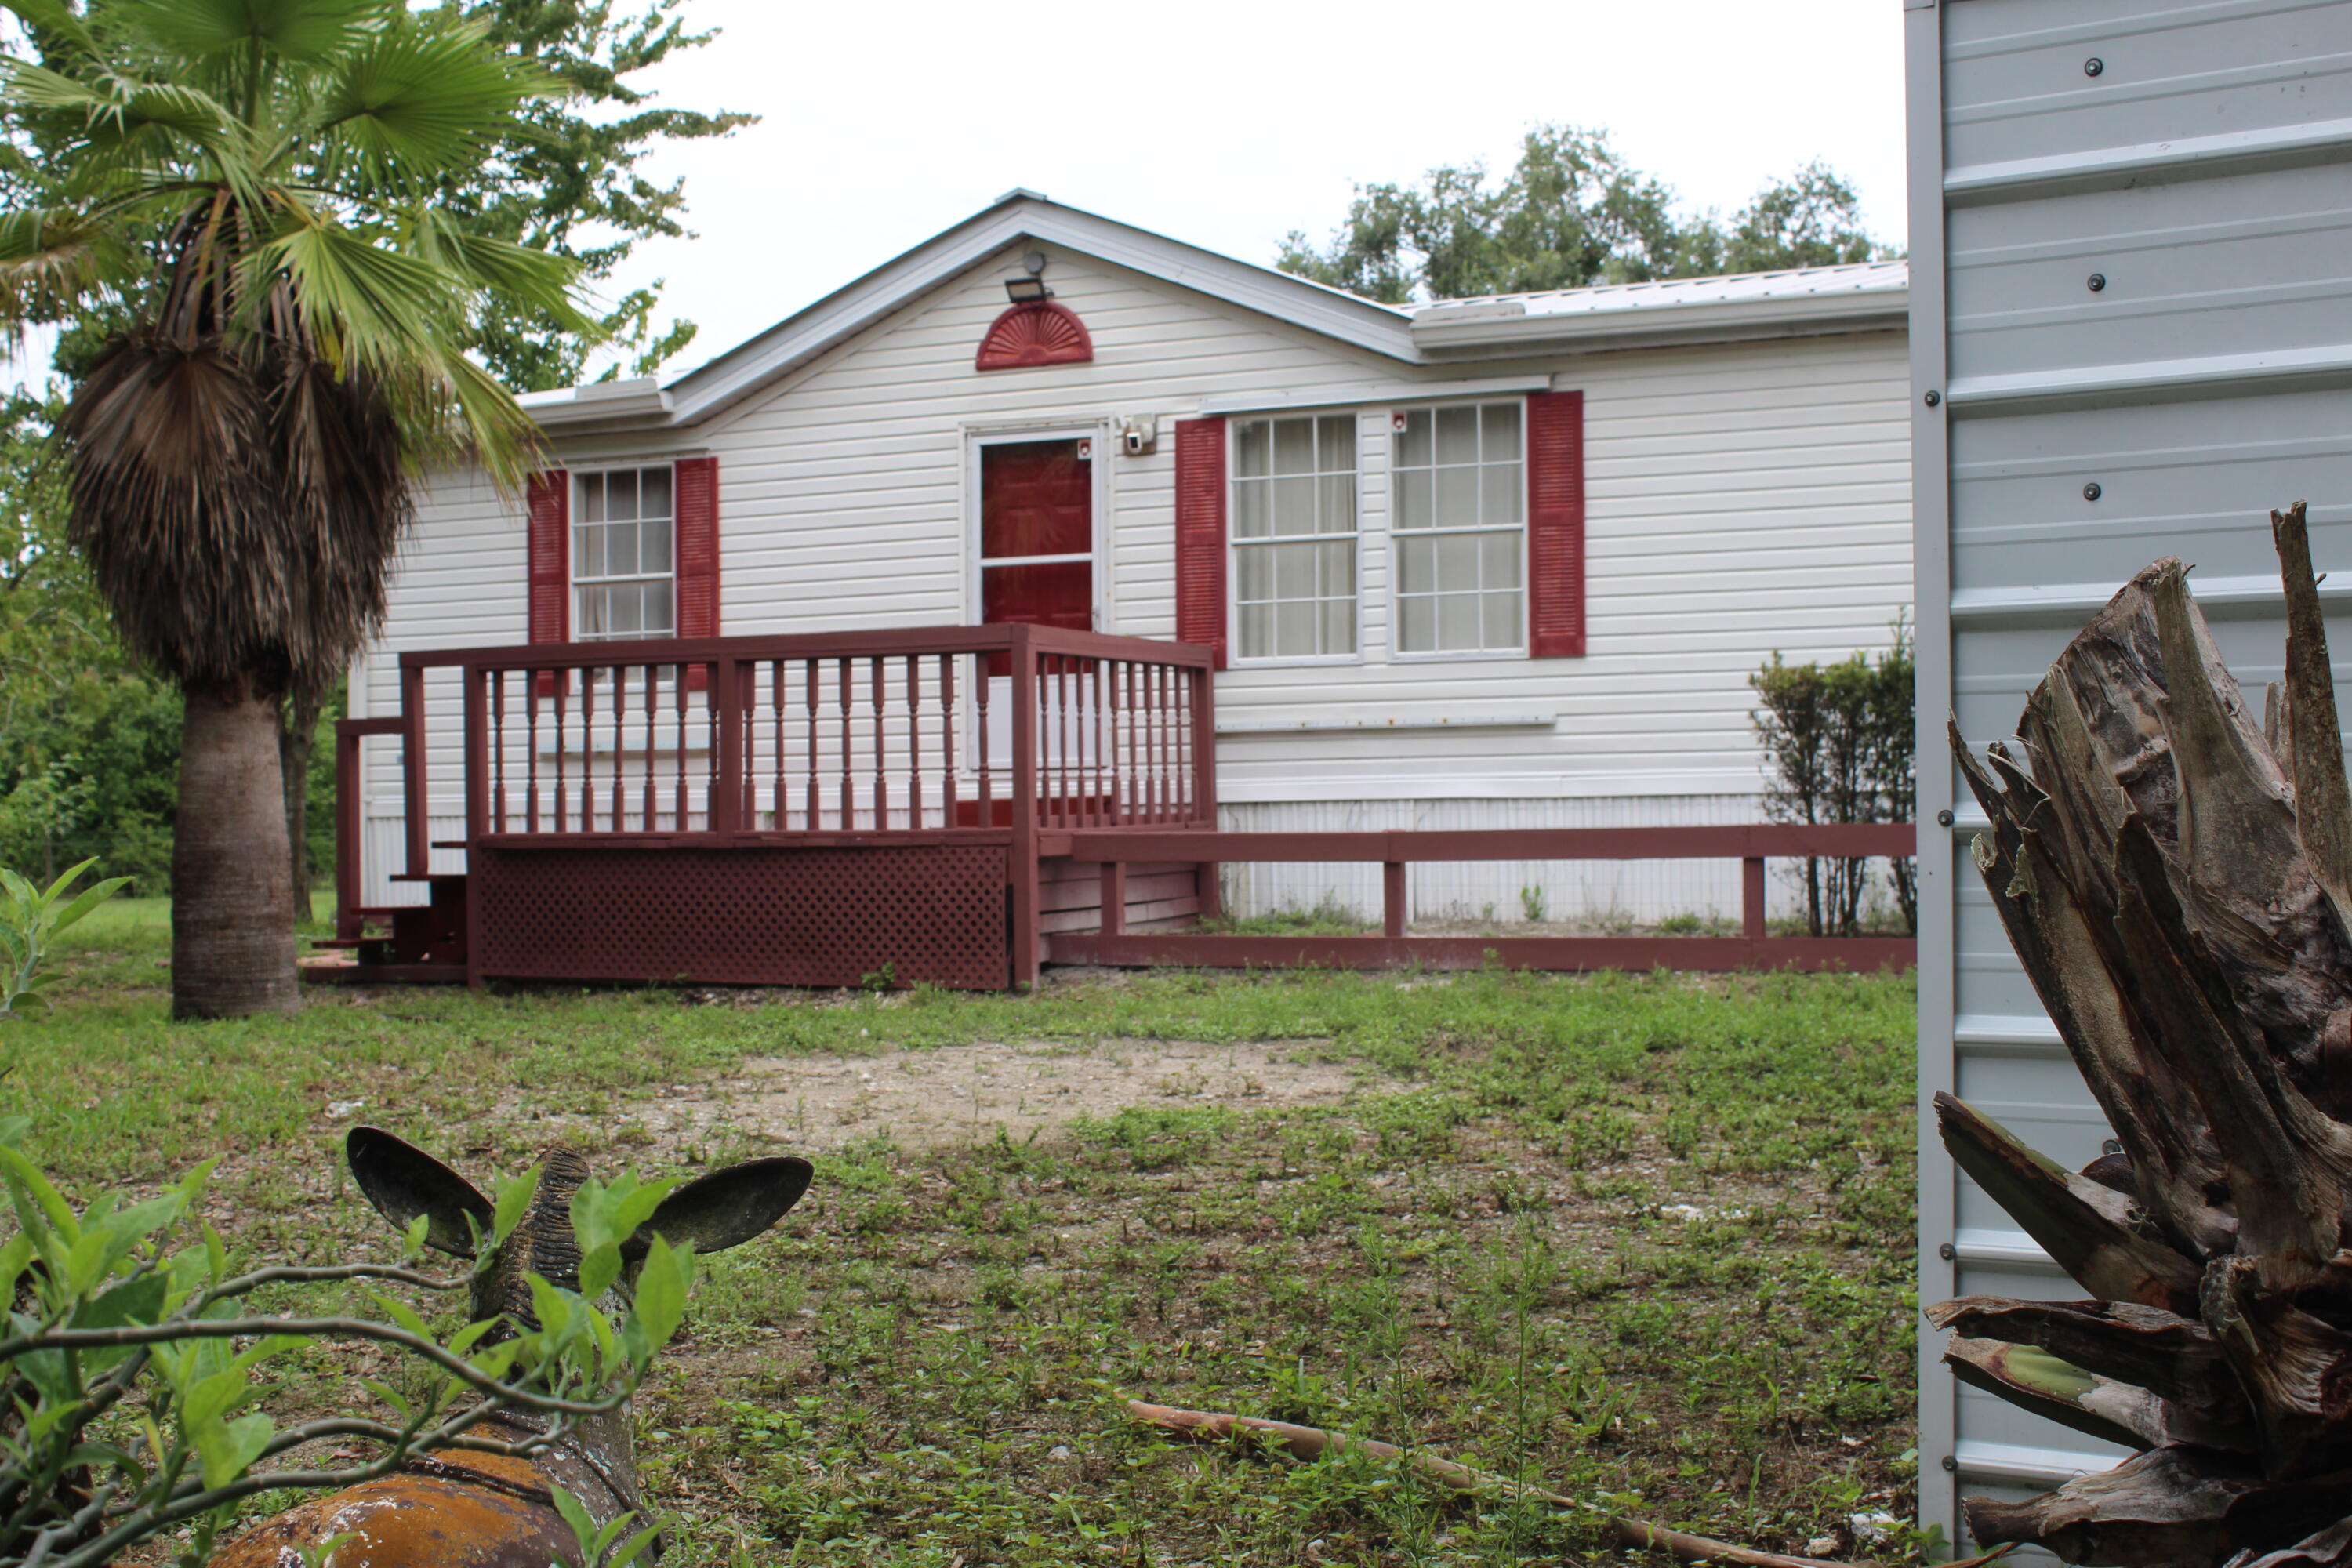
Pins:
x: 87, y: 739
x: 571, y: 167
x: 252, y: 190
x: 1572, y: 213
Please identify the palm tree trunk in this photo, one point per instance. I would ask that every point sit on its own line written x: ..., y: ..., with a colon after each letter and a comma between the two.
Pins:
x: 232, y: 899
x: 294, y: 744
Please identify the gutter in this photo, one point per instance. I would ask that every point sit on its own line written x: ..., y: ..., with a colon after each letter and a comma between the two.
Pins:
x: 636, y: 401
x: 1496, y: 328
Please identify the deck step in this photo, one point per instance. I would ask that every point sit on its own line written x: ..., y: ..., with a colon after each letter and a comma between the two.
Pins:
x: 426, y: 876
x: 327, y: 970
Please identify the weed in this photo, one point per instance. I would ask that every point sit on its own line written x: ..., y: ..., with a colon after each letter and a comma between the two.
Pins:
x: 1329, y: 917
x: 1482, y: 1251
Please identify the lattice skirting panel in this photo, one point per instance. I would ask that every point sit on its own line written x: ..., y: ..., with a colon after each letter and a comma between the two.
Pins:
x: 747, y: 916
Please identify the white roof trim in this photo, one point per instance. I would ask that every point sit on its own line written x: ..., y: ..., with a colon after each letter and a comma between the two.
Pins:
x: 1021, y: 215
x: 1572, y: 319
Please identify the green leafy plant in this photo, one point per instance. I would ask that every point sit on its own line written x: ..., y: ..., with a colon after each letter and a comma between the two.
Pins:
x: 30, y: 919
x: 1838, y: 742
x: 1535, y: 904
x: 130, y: 1370
x: 603, y: 1548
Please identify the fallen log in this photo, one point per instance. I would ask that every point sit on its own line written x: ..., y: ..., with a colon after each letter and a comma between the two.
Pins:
x: 1313, y: 1443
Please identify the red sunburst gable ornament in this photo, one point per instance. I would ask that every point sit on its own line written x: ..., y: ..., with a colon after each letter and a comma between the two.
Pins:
x: 1040, y: 332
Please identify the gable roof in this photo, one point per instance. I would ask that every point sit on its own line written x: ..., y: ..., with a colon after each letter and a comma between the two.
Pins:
x: 1575, y: 319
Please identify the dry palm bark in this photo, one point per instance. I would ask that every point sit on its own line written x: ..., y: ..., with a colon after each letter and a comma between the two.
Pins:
x: 2176, y: 875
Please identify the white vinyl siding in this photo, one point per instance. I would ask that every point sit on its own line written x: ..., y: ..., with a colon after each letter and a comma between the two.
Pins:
x: 1461, y: 528
x: 1294, y: 537
x: 1740, y: 498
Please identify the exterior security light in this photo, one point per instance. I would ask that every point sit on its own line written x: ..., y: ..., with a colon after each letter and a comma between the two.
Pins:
x: 1027, y: 290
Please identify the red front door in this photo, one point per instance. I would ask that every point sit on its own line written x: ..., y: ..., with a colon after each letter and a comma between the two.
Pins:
x: 1037, y: 533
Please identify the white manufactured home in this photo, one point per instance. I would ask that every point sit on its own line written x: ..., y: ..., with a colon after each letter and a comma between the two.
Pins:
x: 1501, y: 562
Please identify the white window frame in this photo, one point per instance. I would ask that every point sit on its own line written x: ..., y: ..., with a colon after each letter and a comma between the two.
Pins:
x: 1397, y: 534
x: 1098, y: 505
x: 1235, y: 659
x: 577, y: 521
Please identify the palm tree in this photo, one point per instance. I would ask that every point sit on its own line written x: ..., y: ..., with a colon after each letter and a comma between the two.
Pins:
x: 241, y: 193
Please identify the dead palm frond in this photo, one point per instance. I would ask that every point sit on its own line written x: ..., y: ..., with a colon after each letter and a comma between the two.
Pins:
x: 2176, y: 876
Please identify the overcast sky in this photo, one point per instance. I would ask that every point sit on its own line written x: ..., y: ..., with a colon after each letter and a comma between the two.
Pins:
x: 1225, y: 125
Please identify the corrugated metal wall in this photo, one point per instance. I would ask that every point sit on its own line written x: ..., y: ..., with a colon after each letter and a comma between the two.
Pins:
x: 2129, y: 271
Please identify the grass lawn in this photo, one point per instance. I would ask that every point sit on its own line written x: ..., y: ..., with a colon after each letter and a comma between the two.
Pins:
x: 1646, y: 1239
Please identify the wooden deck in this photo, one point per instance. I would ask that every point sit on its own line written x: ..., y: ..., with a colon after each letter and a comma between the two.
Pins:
x: 953, y: 805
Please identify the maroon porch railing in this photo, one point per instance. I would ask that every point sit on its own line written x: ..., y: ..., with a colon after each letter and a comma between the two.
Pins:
x: 937, y: 735
x: 1751, y: 844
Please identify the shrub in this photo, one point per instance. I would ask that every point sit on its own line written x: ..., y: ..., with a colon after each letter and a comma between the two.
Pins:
x: 1838, y: 747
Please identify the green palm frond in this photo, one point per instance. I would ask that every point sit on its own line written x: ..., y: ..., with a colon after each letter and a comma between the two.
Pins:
x: 112, y: 109
x: 253, y: 180
x: 54, y: 24
x: 526, y: 278
x: 421, y: 94
x: 376, y: 304
x: 301, y: 32
x: 51, y: 257
x: 491, y: 426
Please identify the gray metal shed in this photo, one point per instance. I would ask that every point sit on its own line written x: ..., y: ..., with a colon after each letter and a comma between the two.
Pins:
x: 2131, y: 336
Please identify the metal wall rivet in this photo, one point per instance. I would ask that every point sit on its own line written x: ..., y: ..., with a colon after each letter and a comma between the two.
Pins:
x: 1950, y: 1463
x: 1944, y: 817
x: 1932, y: 398
x: 2093, y: 65
x: 2092, y: 491
x: 2098, y: 281
x: 1948, y: 1253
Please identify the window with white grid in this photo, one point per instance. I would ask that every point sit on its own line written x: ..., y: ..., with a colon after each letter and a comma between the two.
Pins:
x: 624, y: 554
x: 1459, y: 529
x: 1294, y: 537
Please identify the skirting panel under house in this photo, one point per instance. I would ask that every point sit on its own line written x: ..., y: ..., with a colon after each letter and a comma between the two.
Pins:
x: 746, y: 916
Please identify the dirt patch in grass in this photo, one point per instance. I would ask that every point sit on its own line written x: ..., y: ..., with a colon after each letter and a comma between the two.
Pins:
x: 962, y: 1094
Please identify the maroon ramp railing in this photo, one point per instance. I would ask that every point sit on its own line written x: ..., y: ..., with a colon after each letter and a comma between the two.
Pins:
x: 1751, y: 845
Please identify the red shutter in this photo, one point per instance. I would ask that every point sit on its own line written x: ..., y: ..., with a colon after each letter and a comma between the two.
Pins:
x: 697, y: 547
x: 550, y: 572
x: 1200, y: 533
x: 698, y: 556
x: 1556, y: 524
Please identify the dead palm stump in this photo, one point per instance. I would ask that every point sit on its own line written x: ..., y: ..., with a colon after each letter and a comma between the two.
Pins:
x: 2177, y: 878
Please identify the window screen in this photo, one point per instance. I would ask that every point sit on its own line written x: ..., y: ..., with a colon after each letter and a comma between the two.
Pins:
x: 1460, y: 528
x: 1294, y: 537
x: 624, y: 554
